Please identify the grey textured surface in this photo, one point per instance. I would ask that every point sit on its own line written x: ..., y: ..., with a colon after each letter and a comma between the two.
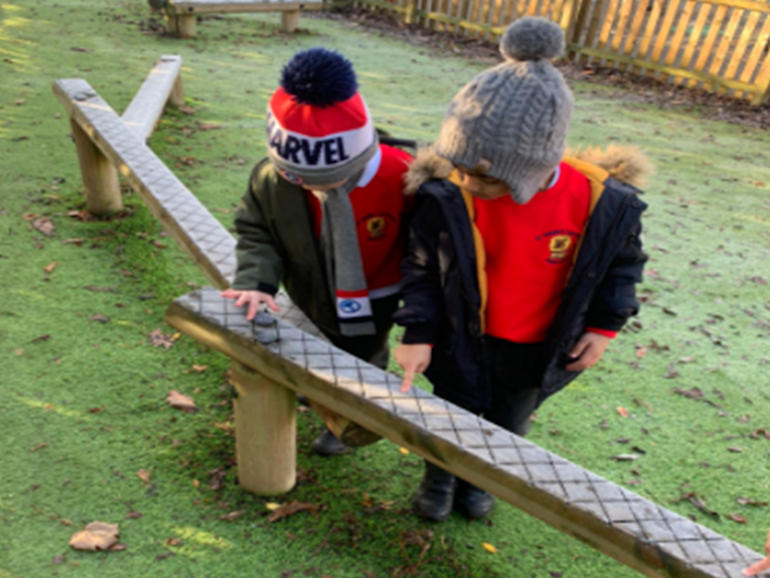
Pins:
x: 147, y: 105
x: 564, y: 494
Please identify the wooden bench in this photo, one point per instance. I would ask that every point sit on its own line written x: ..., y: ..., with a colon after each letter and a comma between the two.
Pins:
x: 181, y: 14
x: 274, y: 358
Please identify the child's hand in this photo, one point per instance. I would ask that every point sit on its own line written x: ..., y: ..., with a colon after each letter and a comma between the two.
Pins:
x: 251, y: 298
x: 413, y: 358
x: 762, y: 565
x: 587, y: 351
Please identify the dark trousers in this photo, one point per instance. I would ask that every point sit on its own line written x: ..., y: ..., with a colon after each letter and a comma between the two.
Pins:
x: 372, y: 348
x: 515, y: 371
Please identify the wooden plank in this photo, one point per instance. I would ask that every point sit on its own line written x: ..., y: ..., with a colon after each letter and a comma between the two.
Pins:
x: 743, y: 4
x: 675, y: 39
x: 669, y: 16
x: 667, y: 70
x: 706, y: 49
x: 740, y: 48
x: 694, y: 40
x: 762, y: 92
x: 649, y: 31
x: 211, y: 246
x: 242, y: 6
x: 624, y: 525
x: 609, y: 23
x: 161, y: 85
x: 717, y: 62
x: 639, y: 10
x: 621, y: 27
x: 752, y: 61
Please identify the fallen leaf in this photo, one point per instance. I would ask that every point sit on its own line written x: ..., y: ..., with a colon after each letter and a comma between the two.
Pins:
x: 45, y: 337
x: 231, y: 516
x: 272, y: 506
x: 734, y: 449
x: 622, y: 411
x: 671, y: 372
x: 160, y: 339
x: 291, y: 509
x: 688, y: 359
x: 133, y: 515
x: 186, y: 109
x: 60, y: 559
x: 173, y: 542
x: 100, y: 318
x: 180, y: 400
x: 44, y: 225
x: 404, y: 451
x: 489, y: 547
x: 143, y: 475
x: 208, y: 126
x: 750, y: 502
x: 641, y: 351
x: 76, y: 241
x: 200, y: 368
x: 95, y: 536
x: 39, y: 446
x: 48, y: 269
x: 737, y: 518
x: 625, y: 458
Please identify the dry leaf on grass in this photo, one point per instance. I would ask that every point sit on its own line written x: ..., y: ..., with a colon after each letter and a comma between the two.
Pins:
x: 489, y: 547
x: 160, y: 339
x: 143, y: 475
x: 180, y: 400
x: 95, y: 536
x: 290, y: 509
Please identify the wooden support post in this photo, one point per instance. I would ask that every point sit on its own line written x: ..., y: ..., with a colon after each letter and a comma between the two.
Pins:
x: 186, y: 25
x: 172, y: 23
x: 177, y: 94
x: 99, y: 175
x: 265, y: 433
x: 289, y: 20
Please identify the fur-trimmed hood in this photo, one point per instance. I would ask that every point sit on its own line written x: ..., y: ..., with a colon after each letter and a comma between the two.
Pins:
x: 624, y: 163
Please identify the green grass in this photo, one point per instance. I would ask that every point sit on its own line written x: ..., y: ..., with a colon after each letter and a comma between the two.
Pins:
x: 82, y: 402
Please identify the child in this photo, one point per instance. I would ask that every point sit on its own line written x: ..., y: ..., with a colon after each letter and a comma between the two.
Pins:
x: 323, y: 213
x: 521, y: 265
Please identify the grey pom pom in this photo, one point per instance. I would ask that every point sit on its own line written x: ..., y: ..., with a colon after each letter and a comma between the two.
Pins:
x: 532, y: 39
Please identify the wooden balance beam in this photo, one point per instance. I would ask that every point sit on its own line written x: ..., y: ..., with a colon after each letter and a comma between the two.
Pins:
x: 274, y: 358
x: 181, y: 14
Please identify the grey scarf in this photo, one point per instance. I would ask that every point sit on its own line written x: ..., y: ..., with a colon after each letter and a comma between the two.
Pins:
x: 344, y: 266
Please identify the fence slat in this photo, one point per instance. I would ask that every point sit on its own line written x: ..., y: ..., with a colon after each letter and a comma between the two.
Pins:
x: 620, y: 29
x: 675, y: 41
x: 665, y: 28
x: 762, y: 42
x: 740, y: 48
x: 704, y: 10
x: 724, y: 45
x: 639, y: 10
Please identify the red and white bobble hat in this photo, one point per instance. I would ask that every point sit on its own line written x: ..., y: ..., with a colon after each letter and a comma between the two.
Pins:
x: 318, y: 126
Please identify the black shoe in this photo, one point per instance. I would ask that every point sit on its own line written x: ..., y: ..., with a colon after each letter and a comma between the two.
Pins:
x: 327, y: 444
x: 435, y: 495
x: 472, y: 502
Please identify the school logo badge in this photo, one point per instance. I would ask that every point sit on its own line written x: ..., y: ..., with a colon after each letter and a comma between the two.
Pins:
x: 559, y: 245
x: 376, y: 227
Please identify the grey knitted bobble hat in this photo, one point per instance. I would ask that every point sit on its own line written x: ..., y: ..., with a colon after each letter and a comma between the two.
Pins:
x: 511, y: 120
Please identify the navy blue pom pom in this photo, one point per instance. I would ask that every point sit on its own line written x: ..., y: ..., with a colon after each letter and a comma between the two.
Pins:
x: 319, y: 77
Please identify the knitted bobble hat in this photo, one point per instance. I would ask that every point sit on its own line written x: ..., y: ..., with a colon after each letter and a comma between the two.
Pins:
x: 319, y: 130
x: 510, y: 122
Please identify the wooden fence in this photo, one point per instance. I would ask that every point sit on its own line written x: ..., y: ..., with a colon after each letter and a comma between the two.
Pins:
x: 721, y: 46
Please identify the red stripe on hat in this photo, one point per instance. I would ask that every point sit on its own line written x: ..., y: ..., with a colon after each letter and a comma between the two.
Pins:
x: 316, y: 121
